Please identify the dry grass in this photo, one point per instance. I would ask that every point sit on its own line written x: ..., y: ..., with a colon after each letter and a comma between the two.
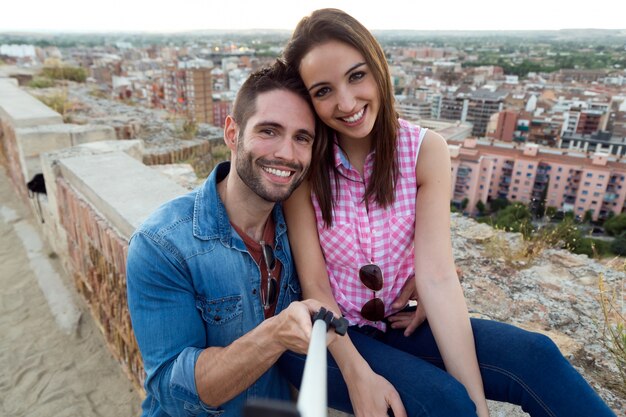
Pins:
x: 60, y: 103
x: 614, y: 323
x: 522, y: 252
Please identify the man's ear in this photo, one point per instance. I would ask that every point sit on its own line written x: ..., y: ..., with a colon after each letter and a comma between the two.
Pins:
x: 231, y: 133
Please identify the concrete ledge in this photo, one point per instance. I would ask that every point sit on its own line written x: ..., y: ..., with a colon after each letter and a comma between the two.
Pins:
x: 53, y: 230
x: 122, y: 189
x: 22, y: 109
x: 33, y: 141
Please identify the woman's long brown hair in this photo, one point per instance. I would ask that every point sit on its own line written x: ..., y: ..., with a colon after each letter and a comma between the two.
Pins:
x: 332, y: 24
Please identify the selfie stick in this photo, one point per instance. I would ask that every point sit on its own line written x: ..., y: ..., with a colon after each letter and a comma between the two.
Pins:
x: 312, y: 401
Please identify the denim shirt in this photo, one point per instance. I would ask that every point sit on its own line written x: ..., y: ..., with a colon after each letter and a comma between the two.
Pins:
x: 191, y: 285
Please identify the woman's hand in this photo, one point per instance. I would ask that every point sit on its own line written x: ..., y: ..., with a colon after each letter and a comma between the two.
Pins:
x: 408, y: 320
x: 372, y: 395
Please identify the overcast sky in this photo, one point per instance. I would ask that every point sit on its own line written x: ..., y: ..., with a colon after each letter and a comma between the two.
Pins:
x: 184, y: 15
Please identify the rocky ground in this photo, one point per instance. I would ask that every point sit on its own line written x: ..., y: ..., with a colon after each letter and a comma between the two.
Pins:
x: 554, y: 292
x: 159, y: 129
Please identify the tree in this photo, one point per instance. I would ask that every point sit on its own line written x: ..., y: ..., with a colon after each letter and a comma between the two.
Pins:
x: 498, y: 204
x: 480, y: 206
x: 588, y: 216
x: 551, y: 212
x: 515, y: 218
x: 616, y: 225
x: 618, y: 246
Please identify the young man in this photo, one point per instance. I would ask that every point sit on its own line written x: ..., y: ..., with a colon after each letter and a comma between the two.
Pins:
x: 211, y: 281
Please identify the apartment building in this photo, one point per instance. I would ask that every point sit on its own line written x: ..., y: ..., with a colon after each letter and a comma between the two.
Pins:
x: 482, y: 105
x: 580, y: 182
x: 511, y: 125
x: 222, y: 107
x: 476, y: 107
x: 188, y: 91
x: 595, y: 142
x: 414, y: 108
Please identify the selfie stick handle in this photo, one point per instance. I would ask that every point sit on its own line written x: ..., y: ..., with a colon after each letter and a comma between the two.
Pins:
x: 312, y: 401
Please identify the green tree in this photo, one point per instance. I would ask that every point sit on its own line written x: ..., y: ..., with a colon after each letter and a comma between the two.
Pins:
x: 480, y: 206
x: 618, y: 246
x: 616, y: 225
x: 588, y: 216
x: 515, y: 218
x: 551, y: 212
x: 498, y: 204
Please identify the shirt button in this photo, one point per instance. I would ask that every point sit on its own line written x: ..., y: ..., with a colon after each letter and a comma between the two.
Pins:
x: 254, y: 291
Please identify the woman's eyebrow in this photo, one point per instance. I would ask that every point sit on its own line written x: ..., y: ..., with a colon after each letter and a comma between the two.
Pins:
x: 355, y: 66
x: 352, y: 68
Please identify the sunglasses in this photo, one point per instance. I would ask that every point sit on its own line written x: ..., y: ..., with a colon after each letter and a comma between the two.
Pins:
x: 270, y: 293
x: 372, y: 277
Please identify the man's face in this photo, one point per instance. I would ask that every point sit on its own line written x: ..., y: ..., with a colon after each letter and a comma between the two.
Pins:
x: 274, y: 152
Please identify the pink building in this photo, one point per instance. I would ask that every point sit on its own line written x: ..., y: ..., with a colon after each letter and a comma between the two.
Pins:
x: 566, y: 180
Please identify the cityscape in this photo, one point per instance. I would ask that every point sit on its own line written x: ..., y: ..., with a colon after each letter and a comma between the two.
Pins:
x: 527, y: 115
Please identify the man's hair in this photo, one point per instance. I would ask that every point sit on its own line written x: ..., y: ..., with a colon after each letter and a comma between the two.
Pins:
x: 326, y: 25
x: 275, y: 77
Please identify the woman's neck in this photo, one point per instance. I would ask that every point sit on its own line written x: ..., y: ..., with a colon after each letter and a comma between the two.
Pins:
x: 356, y: 150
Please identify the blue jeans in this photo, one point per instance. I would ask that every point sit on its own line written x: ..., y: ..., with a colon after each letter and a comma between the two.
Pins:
x: 517, y: 366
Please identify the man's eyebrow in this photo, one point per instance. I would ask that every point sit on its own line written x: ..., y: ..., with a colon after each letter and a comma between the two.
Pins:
x: 277, y: 125
x: 352, y: 68
x: 268, y: 123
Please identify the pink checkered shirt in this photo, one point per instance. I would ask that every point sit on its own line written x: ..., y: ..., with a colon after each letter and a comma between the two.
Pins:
x: 381, y: 236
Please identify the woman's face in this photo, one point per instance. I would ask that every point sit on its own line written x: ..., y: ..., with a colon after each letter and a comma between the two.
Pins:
x: 343, y: 89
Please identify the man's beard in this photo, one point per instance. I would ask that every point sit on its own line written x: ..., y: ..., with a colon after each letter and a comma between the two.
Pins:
x: 253, y: 179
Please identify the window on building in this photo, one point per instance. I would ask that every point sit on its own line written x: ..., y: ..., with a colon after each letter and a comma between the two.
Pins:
x: 589, y: 175
x: 526, y: 182
x: 515, y: 188
x: 530, y: 166
x: 558, y: 177
x: 515, y: 181
x: 587, y: 184
x: 598, y: 185
x: 560, y: 169
x: 594, y: 202
x: 601, y: 176
x: 585, y: 192
x: 482, y: 187
x: 583, y: 200
x: 518, y: 173
x: 580, y: 209
x: 596, y: 194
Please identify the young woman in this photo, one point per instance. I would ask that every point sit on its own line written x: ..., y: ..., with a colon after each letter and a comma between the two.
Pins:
x: 373, y: 217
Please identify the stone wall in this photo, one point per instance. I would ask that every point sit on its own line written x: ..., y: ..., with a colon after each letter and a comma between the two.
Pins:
x: 98, y: 192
